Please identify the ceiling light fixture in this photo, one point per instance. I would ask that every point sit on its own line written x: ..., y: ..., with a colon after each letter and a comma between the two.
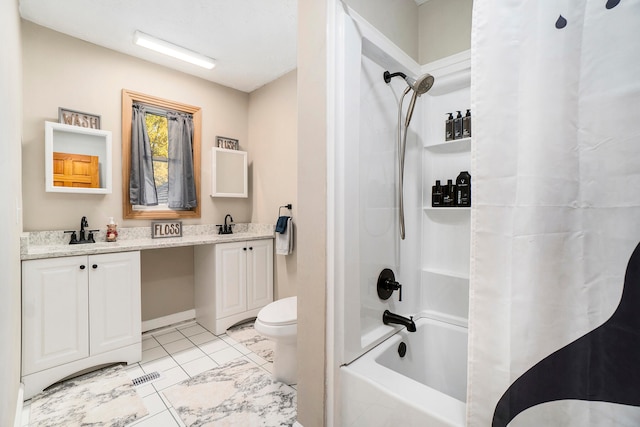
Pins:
x: 145, y: 40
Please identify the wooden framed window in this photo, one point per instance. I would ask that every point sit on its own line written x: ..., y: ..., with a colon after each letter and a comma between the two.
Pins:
x: 157, y: 212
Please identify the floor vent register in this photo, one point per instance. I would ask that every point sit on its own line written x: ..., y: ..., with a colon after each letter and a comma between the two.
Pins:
x: 146, y: 378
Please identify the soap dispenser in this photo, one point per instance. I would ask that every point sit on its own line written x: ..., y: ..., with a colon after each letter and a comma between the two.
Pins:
x: 457, y: 126
x: 466, y: 125
x: 112, y: 230
x: 448, y: 128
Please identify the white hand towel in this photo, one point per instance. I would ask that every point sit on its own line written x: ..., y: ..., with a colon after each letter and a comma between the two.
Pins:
x: 284, y: 241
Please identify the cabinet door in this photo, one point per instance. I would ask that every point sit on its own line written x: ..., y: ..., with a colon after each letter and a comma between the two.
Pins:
x: 54, y: 312
x: 259, y: 273
x: 231, y: 279
x: 75, y: 170
x: 114, y: 301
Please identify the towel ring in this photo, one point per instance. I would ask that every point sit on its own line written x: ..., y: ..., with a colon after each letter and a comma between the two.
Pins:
x: 288, y: 206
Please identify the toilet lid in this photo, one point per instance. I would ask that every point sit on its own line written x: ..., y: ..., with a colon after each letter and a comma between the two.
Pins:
x: 281, y: 312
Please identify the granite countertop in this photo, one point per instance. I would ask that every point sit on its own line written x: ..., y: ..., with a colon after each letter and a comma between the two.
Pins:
x: 52, y: 244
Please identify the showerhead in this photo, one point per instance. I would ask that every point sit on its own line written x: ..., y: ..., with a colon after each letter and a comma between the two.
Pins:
x: 420, y: 86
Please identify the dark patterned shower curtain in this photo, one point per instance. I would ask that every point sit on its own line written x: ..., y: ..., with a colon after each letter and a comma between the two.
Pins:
x: 554, y: 335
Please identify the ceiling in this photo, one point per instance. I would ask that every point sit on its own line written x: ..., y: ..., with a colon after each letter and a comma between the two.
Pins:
x: 252, y: 41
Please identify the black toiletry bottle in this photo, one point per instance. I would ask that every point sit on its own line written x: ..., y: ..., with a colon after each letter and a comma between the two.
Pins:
x: 466, y: 125
x: 436, y: 194
x: 463, y: 189
x: 457, y: 126
x: 448, y: 128
x: 449, y: 194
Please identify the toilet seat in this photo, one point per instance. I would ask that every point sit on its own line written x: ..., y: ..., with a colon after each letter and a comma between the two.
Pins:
x: 279, y: 313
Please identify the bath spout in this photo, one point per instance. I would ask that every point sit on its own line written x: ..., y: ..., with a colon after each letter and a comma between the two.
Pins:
x: 389, y: 317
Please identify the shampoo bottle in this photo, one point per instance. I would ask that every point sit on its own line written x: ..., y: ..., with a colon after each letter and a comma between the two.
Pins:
x: 448, y: 128
x: 436, y: 194
x: 457, y: 126
x: 463, y: 189
x: 466, y: 125
x: 449, y: 194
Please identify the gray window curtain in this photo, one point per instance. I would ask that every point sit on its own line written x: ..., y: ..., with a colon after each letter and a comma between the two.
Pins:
x: 142, y: 186
x: 182, y: 187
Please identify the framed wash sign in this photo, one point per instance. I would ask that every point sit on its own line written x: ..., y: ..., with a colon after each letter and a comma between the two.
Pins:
x: 163, y: 229
x: 78, y: 118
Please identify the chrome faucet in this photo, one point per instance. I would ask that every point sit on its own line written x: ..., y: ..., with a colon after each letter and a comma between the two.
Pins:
x: 389, y: 317
x: 226, y: 228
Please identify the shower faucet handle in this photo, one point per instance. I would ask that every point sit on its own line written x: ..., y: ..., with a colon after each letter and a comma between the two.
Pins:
x: 394, y: 286
x: 387, y: 284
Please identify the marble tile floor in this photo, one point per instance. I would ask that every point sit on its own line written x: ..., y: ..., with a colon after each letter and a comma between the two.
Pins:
x: 177, y: 353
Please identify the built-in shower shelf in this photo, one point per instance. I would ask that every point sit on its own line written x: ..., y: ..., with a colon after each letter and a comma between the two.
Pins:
x: 447, y: 208
x: 446, y: 273
x: 455, y: 146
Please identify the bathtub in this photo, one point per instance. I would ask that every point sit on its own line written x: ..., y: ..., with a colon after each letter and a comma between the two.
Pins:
x: 427, y: 387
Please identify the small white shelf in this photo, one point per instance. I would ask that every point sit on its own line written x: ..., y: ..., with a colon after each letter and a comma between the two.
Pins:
x: 67, y: 142
x: 454, y: 146
x: 229, y: 173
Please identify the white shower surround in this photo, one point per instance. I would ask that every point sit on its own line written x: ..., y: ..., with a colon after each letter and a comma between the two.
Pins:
x: 366, y: 189
x: 363, y: 213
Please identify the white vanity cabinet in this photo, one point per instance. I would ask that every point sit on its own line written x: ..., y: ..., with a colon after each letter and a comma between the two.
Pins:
x: 233, y: 281
x: 78, y: 312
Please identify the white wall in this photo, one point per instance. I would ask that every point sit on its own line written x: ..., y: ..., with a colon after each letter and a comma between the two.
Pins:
x: 10, y: 217
x: 62, y: 71
x: 445, y: 28
x: 273, y: 162
x: 312, y: 209
x: 398, y: 20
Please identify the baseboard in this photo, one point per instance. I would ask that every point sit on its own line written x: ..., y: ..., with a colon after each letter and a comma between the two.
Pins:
x: 297, y: 424
x: 172, y: 319
x: 17, y: 422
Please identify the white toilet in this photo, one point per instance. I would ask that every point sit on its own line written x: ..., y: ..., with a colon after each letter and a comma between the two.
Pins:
x: 278, y: 322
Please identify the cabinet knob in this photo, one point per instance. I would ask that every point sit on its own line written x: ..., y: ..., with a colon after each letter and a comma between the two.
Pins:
x: 82, y: 267
x: 250, y: 248
x: 244, y: 249
x: 94, y: 266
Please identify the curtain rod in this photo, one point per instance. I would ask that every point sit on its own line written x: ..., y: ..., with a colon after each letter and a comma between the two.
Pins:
x: 159, y: 111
